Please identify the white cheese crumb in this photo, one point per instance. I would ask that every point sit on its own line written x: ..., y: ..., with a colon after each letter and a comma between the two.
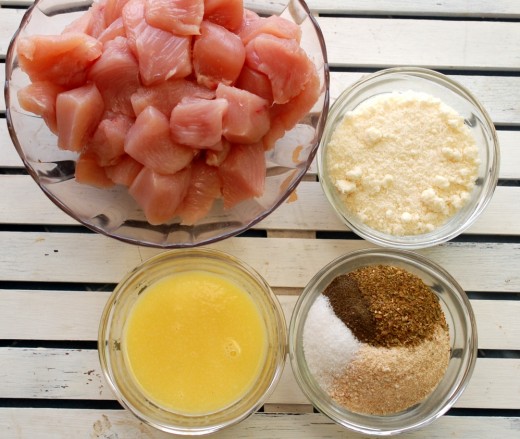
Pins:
x: 408, y: 162
x: 345, y: 186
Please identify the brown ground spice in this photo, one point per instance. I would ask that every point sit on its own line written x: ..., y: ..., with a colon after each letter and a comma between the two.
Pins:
x: 381, y: 381
x: 386, y: 306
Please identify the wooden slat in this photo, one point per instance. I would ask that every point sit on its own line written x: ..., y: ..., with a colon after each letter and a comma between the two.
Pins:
x: 427, y: 43
x: 9, y: 21
x: 74, y: 315
x: 54, y: 423
x: 76, y: 374
x: 64, y: 257
x: 309, y: 212
x: 500, y: 95
x: 460, y: 8
x: 443, y: 44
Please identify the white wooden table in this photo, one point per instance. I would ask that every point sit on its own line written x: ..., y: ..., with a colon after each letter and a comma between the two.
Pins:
x: 55, y: 276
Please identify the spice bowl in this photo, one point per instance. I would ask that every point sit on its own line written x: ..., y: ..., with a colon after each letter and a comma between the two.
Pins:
x: 409, y: 158
x: 461, y: 350
x: 192, y: 341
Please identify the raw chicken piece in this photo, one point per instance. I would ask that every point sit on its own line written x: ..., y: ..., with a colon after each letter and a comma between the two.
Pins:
x: 161, y: 55
x: 116, y: 75
x: 159, y: 195
x: 283, y: 61
x: 92, y: 22
x: 168, y: 94
x: 78, y: 113
x: 247, y: 117
x: 204, y: 189
x: 115, y: 29
x: 89, y: 172
x: 215, y: 156
x: 148, y: 141
x: 273, y: 25
x: 198, y: 122
x: 292, y: 112
x: 113, y: 10
x: 180, y: 17
x: 40, y: 98
x: 218, y: 55
x: 108, y: 141
x: 62, y: 59
x: 243, y: 173
x: 256, y: 83
x: 226, y: 13
x: 124, y: 171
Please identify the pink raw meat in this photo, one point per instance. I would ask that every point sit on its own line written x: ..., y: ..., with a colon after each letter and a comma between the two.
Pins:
x: 247, y: 117
x: 159, y: 195
x: 61, y: 59
x: 148, y: 141
x: 283, y: 61
x: 203, y: 190
x: 180, y: 17
x: 40, y: 98
x: 168, y: 94
x: 243, y: 173
x: 218, y: 55
x: 78, y: 112
x: 116, y: 75
x: 198, y: 122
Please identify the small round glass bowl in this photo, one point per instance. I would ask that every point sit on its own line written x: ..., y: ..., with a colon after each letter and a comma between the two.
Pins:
x: 402, y: 79
x: 112, y: 332
x: 113, y: 212
x: 462, y: 331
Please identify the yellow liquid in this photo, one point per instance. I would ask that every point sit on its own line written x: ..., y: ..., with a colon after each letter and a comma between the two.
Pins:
x: 195, y: 342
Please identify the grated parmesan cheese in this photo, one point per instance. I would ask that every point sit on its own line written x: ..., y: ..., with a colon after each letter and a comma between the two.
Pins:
x: 403, y: 163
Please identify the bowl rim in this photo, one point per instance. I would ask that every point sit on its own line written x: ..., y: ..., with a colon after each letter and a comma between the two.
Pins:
x: 9, y: 65
x: 424, y: 240
x: 169, y: 257
x: 297, y: 322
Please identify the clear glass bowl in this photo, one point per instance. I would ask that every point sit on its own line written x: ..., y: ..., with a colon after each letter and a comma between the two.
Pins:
x: 401, y: 79
x: 113, y: 212
x: 463, y: 339
x: 119, y: 305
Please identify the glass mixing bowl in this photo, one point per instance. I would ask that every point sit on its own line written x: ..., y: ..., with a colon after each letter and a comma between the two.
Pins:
x: 462, y: 331
x: 402, y: 79
x: 117, y: 369
x: 113, y: 212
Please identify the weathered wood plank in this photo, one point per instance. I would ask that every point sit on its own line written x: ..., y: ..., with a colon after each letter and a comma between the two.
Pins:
x: 377, y: 42
x: 459, y: 8
x: 64, y: 257
x: 76, y: 374
x: 9, y: 21
x: 74, y: 315
x: 500, y: 95
x: 311, y: 211
x: 363, y: 42
x: 17, y: 423
x: 308, y: 213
